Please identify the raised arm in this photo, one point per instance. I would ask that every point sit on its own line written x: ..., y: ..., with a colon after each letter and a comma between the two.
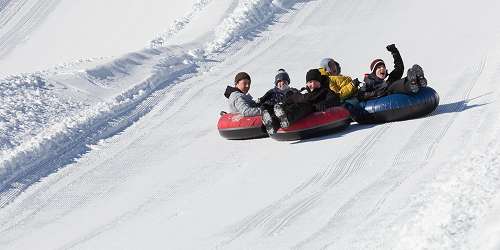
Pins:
x: 399, y: 67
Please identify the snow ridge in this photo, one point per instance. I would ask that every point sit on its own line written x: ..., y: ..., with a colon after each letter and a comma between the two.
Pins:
x: 53, y: 136
x: 81, y: 120
x: 178, y: 24
x: 28, y: 105
x: 247, y: 17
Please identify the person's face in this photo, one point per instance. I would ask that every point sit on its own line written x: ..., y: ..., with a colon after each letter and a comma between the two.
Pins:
x: 381, y: 71
x: 243, y: 85
x: 313, y: 84
x: 282, y: 84
x: 333, y: 68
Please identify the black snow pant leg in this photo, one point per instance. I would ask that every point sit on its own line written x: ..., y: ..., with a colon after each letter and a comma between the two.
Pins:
x: 401, y: 86
x: 297, y: 111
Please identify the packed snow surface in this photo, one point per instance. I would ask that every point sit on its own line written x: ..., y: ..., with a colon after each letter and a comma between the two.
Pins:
x: 108, y: 138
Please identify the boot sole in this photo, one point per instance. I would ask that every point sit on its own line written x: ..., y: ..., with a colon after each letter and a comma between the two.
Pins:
x: 419, y: 74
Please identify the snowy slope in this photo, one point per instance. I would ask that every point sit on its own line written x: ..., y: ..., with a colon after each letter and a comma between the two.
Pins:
x: 135, y: 160
x: 38, y: 34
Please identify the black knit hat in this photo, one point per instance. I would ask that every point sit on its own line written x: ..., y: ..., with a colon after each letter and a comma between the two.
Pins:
x: 375, y: 63
x: 282, y: 75
x: 313, y: 74
x: 241, y: 76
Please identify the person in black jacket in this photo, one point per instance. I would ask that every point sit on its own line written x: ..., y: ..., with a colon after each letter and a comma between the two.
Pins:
x: 375, y: 84
x: 296, y: 105
x: 279, y: 92
x: 276, y: 95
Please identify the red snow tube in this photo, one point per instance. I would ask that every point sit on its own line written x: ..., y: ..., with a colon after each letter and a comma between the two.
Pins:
x: 237, y: 127
x: 316, y: 124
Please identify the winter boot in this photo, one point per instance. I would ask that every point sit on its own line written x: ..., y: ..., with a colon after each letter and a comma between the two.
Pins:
x: 412, y: 79
x: 419, y: 72
x: 281, y: 114
x: 267, y: 120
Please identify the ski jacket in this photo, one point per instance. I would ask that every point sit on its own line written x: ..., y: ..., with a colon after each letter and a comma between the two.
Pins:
x: 321, y: 98
x: 276, y: 95
x: 240, y: 103
x: 342, y: 85
x: 375, y: 86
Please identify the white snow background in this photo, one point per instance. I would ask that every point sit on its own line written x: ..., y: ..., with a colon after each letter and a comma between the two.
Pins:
x: 108, y: 139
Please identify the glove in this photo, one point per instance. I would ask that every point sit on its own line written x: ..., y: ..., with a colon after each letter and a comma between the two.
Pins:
x: 356, y: 82
x: 392, y: 48
x: 368, y: 95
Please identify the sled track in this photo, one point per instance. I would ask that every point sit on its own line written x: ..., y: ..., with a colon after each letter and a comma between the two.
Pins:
x: 25, y: 25
x: 77, y: 147
x: 3, y: 4
x: 162, y: 100
x: 173, y: 190
x: 111, y: 127
x: 422, y: 144
x: 166, y: 97
x: 277, y: 216
x: 334, y: 175
x: 8, y: 9
x: 114, y: 126
x: 413, y: 156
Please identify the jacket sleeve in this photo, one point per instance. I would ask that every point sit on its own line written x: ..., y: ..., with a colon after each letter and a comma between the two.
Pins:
x: 296, y: 97
x: 399, y: 68
x: 266, y: 96
x: 369, y: 84
x: 347, y: 89
x: 246, y: 108
x: 331, y: 99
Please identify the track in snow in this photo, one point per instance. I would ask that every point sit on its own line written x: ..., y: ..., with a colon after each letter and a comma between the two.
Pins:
x: 411, y: 158
x: 19, y: 19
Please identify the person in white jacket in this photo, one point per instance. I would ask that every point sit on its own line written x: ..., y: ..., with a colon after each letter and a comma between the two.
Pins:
x: 239, y: 101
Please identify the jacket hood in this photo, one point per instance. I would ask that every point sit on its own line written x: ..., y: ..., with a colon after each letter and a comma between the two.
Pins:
x: 230, y: 90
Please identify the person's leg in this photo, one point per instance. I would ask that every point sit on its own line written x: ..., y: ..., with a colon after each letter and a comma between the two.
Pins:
x: 269, y: 119
x: 411, y: 83
x: 403, y: 86
x: 419, y: 73
x: 291, y: 113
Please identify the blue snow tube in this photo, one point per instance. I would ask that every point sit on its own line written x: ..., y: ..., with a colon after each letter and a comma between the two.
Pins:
x: 396, y: 107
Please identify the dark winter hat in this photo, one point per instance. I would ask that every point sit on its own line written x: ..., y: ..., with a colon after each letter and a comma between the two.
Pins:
x: 313, y: 74
x: 282, y: 75
x: 241, y: 76
x: 375, y: 63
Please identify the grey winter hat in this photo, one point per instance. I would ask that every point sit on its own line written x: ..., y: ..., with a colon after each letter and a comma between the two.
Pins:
x: 325, y: 63
x: 282, y: 75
